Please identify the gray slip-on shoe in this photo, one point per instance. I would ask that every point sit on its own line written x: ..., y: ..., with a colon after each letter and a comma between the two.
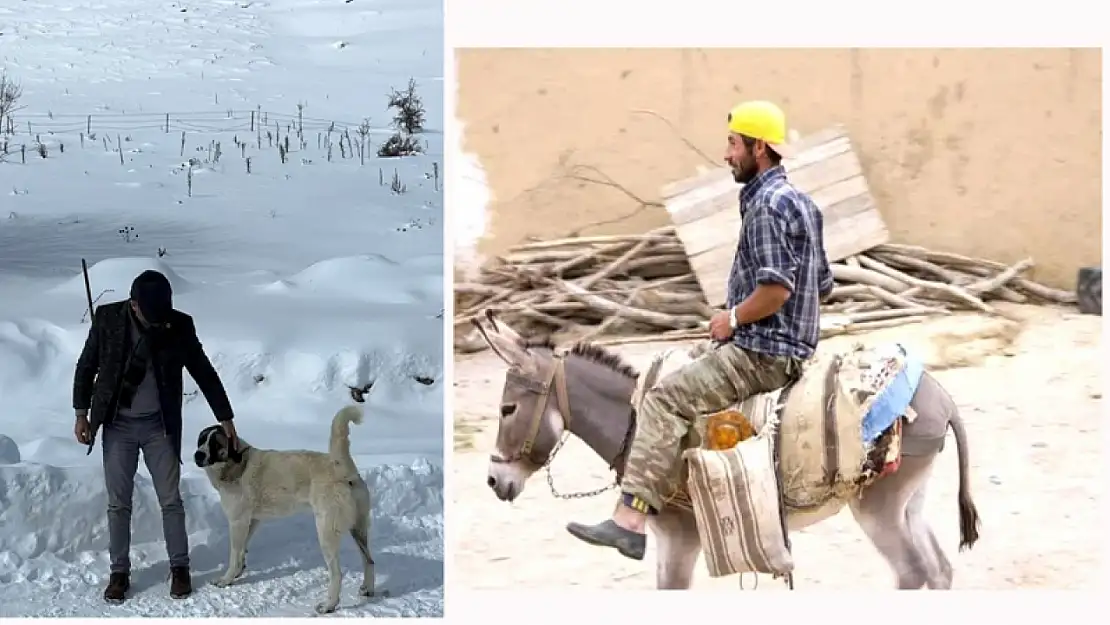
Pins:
x: 608, y: 534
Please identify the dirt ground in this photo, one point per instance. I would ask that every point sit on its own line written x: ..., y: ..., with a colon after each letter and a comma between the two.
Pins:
x: 1032, y: 401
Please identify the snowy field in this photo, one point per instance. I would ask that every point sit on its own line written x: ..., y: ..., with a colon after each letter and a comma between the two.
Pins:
x: 303, y: 276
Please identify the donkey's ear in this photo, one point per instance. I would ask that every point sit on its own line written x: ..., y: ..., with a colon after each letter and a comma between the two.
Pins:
x: 504, y: 329
x: 491, y: 318
x: 508, y: 346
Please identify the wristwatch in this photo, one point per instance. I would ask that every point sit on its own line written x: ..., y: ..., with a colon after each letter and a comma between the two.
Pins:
x: 732, y: 322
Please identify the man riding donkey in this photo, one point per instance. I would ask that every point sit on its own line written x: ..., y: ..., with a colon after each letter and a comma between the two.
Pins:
x: 779, y: 276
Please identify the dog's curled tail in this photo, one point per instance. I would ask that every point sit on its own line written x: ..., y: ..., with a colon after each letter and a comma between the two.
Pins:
x: 339, y: 447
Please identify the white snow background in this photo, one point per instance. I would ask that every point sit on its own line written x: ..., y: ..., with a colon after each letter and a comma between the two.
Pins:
x: 303, y: 277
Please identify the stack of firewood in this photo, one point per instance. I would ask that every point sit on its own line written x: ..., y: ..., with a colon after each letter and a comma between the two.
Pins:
x: 587, y: 287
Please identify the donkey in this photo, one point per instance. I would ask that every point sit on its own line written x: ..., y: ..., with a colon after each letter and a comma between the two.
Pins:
x: 593, y: 391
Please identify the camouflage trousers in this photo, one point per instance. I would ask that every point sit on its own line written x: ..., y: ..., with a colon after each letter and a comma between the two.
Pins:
x: 717, y: 378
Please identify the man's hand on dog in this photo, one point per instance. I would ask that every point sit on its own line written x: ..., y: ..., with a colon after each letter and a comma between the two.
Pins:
x: 232, y: 437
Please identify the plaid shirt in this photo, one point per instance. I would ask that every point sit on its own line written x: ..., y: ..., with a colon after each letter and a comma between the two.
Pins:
x: 780, y: 242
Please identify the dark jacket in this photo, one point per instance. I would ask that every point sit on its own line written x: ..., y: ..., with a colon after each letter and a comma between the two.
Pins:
x: 100, y: 368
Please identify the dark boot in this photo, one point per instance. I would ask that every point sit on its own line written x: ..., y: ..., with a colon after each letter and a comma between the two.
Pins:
x: 609, y: 534
x: 181, y: 583
x: 118, y: 585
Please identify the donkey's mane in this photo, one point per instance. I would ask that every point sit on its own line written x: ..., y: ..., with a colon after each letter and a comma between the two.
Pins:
x: 589, y: 351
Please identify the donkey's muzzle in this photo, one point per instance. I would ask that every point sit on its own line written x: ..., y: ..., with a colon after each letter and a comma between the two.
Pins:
x: 504, y: 491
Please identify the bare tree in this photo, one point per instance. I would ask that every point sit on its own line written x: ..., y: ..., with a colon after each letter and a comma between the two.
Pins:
x: 10, y: 92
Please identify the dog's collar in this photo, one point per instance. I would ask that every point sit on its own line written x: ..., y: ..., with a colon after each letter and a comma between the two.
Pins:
x: 232, y: 471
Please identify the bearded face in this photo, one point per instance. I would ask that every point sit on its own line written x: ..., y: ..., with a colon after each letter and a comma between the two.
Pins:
x: 741, y: 159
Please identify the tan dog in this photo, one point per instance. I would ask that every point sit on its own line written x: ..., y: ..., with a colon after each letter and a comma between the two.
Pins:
x: 258, y: 484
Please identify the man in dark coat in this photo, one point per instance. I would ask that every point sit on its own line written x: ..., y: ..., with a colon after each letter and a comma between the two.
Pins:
x: 129, y: 382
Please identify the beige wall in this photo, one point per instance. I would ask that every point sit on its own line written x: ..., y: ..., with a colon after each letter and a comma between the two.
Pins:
x: 995, y: 153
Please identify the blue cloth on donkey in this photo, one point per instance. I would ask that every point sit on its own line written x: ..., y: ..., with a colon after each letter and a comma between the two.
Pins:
x: 893, y: 401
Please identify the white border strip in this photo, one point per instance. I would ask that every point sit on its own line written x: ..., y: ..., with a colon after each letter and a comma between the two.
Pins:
x: 797, y: 23
x: 448, y: 315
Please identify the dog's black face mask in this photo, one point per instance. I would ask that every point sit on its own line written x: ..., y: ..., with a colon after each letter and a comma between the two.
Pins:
x: 213, y: 447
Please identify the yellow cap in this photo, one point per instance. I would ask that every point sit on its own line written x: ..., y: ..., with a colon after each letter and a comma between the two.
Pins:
x: 761, y: 120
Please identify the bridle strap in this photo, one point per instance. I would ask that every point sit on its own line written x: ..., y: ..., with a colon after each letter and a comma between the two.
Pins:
x: 562, y: 397
x: 556, y: 377
x: 537, y: 416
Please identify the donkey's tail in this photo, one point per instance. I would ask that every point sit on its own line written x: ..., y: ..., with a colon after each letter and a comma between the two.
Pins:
x: 969, y: 515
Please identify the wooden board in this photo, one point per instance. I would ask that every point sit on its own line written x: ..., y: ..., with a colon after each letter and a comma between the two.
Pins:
x: 706, y: 212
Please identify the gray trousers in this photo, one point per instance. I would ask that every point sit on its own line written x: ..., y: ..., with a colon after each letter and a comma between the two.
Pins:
x: 123, y: 439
